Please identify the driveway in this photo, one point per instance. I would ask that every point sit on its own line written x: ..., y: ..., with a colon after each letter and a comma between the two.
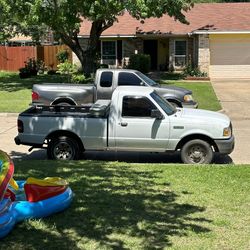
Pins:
x: 234, y: 96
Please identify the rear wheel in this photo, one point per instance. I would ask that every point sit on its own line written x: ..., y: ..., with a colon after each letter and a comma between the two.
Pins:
x: 197, y: 152
x: 63, y: 148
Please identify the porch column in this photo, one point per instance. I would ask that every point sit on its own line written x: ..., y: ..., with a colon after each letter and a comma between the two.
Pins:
x: 171, y: 54
x: 203, y: 53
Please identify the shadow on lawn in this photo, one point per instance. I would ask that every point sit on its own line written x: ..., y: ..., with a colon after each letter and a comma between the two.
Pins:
x: 12, y: 82
x: 115, y: 207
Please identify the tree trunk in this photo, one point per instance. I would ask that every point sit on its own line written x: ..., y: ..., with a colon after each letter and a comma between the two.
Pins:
x: 88, y: 56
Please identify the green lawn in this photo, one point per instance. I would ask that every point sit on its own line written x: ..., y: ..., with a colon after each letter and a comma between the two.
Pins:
x: 203, y: 93
x: 15, y: 93
x: 140, y: 206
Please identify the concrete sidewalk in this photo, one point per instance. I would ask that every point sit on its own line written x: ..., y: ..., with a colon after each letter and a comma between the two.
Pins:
x: 8, y: 131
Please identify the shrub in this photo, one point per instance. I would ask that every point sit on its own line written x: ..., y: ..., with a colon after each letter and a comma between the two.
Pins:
x: 67, y: 68
x: 31, y: 68
x: 78, y: 78
x: 62, y: 56
x: 193, y: 71
x: 139, y: 62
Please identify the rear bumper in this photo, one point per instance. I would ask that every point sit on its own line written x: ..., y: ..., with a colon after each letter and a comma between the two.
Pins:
x: 192, y: 105
x: 225, y: 146
x: 19, y: 142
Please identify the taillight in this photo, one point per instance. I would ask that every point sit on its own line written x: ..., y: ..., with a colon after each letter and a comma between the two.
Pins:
x: 20, y: 126
x: 35, y: 96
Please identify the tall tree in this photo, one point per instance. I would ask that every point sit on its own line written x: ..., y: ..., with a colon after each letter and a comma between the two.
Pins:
x: 64, y: 17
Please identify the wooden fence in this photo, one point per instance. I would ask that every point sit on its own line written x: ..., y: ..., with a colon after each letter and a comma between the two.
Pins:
x: 13, y: 58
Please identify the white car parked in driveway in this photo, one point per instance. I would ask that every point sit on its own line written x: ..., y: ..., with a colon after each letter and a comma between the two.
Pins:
x: 136, y: 119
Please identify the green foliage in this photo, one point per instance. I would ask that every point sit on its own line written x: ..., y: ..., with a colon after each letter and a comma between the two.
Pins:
x: 67, y: 68
x: 64, y: 18
x: 139, y: 62
x: 31, y: 68
x: 62, y: 56
x: 194, y: 71
x: 78, y: 78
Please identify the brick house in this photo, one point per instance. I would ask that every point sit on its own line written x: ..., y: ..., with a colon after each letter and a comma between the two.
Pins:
x: 217, y: 40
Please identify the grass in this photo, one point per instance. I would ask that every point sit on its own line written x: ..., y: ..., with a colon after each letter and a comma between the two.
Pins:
x: 203, y: 93
x: 140, y: 206
x: 16, y: 93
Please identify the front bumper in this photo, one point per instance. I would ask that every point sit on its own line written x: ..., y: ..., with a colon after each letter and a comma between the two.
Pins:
x: 225, y: 146
x: 191, y: 104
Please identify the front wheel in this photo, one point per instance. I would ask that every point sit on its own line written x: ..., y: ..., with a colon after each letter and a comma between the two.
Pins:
x: 197, y: 152
x: 63, y: 148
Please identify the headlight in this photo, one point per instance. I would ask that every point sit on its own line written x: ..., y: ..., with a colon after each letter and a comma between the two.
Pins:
x: 188, y: 98
x: 227, y: 132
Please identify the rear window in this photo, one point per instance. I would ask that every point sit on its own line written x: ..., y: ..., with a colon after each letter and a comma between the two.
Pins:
x: 106, y: 79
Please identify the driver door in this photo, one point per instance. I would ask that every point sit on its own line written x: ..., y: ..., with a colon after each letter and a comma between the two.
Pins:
x: 136, y: 130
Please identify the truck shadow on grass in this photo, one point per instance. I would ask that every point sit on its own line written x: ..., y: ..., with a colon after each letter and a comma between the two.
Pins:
x: 139, y: 157
x: 129, y: 157
x: 115, y: 207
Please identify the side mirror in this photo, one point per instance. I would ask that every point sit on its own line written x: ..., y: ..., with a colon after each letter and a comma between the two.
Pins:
x: 142, y: 84
x: 155, y: 113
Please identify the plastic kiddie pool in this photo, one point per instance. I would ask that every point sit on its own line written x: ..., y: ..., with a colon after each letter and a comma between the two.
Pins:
x: 33, y: 198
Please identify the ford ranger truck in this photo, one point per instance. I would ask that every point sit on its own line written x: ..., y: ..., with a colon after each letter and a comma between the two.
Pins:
x: 135, y: 119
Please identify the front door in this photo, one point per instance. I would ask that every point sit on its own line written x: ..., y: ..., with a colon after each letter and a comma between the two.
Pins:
x: 136, y: 130
x: 151, y: 48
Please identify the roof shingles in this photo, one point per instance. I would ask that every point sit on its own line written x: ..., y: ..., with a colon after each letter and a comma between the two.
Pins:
x: 204, y: 16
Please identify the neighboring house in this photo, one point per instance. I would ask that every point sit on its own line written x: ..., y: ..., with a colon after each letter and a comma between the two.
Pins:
x: 20, y: 41
x: 217, y: 40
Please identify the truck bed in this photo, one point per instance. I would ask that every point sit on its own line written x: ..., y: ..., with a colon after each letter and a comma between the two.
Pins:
x: 99, y: 109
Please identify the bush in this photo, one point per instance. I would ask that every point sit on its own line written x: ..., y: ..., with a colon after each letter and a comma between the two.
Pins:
x: 62, y: 56
x: 67, y: 68
x: 139, y: 62
x: 78, y: 78
x: 194, y: 71
x: 31, y: 68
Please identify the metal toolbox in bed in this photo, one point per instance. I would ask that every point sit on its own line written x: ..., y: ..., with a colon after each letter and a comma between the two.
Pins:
x: 100, y: 108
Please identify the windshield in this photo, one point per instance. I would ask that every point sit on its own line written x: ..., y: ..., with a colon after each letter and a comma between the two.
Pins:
x: 165, y: 105
x: 147, y: 80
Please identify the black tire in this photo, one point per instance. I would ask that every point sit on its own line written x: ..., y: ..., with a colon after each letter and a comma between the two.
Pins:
x: 63, y: 148
x: 197, y: 152
x: 175, y: 104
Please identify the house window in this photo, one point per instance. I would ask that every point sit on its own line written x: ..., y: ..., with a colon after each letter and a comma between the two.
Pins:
x: 180, y: 53
x: 108, y: 50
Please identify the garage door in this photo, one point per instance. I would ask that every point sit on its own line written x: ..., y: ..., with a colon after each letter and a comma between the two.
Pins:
x: 229, y: 56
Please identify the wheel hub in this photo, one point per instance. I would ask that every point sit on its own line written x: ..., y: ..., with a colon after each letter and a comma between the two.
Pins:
x: 197, y: 154
x: 63, y: 151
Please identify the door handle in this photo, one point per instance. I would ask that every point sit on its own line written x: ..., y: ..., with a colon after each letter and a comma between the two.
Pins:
x: 123, y: 124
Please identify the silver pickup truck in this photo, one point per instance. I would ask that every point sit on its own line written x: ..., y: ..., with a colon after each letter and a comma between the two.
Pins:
x: 136, y: 119
x: 106, y: 81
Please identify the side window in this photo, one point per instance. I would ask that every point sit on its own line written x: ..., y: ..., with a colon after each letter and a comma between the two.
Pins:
x: 126, y: 78
x: 134, y: 106
x: 106, y: 79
